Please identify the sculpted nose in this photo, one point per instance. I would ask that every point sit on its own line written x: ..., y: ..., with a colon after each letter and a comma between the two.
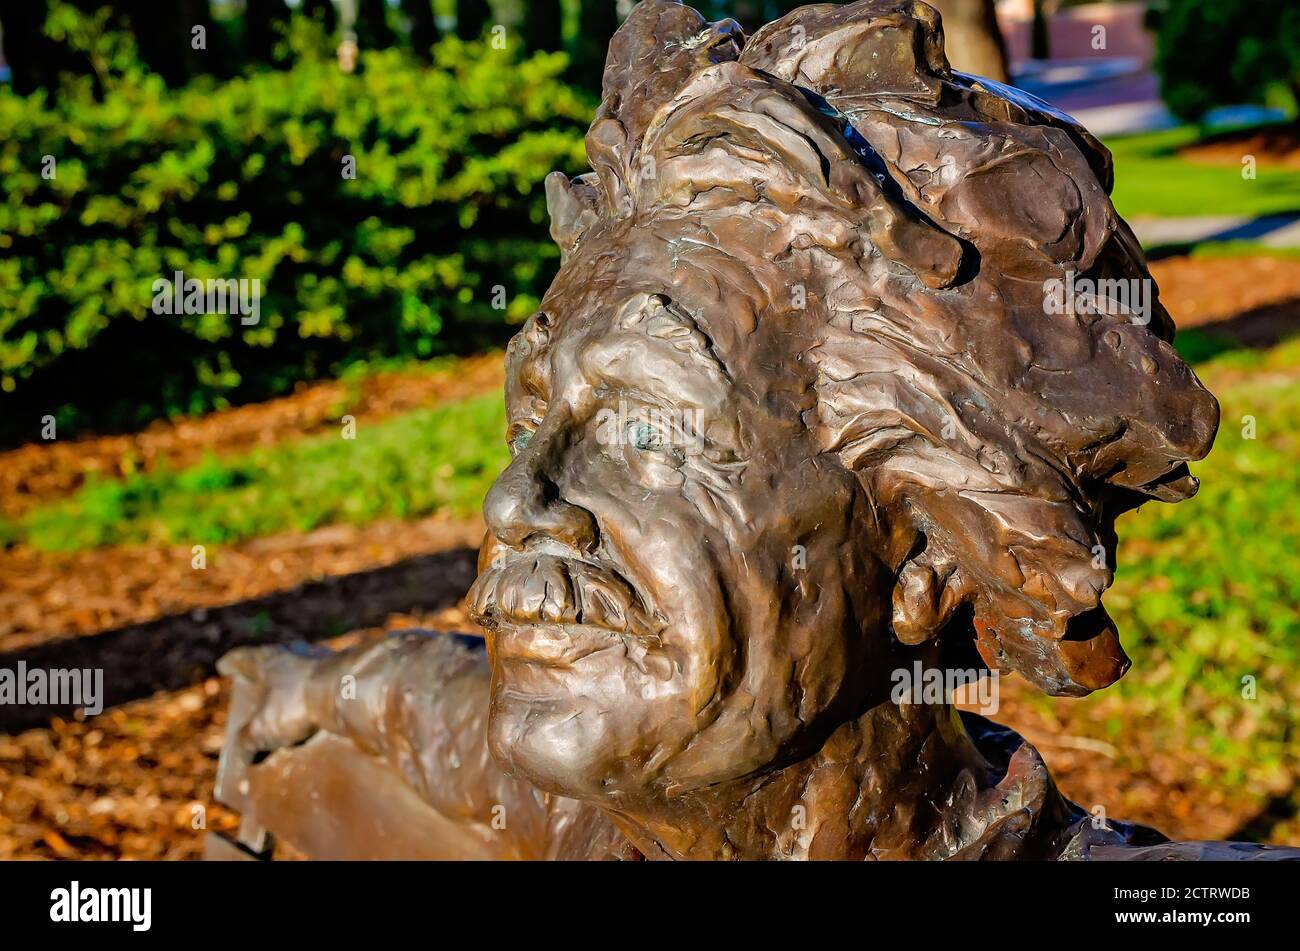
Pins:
x: 525, y: 502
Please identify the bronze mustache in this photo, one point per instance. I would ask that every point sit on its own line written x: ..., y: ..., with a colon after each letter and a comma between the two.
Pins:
x: 545, y: 588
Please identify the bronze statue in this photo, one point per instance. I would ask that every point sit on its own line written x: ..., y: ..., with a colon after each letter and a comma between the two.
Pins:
x: 797, y: 413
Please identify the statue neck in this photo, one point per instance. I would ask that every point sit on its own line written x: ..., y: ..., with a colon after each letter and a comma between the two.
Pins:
x: 897, y: 783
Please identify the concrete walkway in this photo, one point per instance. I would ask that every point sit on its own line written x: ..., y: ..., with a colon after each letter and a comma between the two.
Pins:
x: 1273, y: 231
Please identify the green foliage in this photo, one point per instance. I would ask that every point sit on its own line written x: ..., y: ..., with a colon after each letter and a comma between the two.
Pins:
x: 1197, y: 346
x: 245, y: 179
x: 1220, y: 52
x: 439, y: 459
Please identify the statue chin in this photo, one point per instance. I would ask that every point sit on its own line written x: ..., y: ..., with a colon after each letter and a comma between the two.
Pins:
x: 548, y: 737
x: 552, y: 725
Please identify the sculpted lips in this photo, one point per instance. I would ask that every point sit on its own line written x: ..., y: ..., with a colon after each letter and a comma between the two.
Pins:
x: 554, y: 609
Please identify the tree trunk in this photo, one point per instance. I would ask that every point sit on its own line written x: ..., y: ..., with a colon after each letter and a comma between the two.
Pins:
x: 424, y: 29
x: 596, y: 24
x: 471, y: 18
x: 373, y: 31
x: 324, y: 11
x: 543, y: 25
x: 972, y: 38
x: 750, y: 14
x: 35, y: 60
x: 164, y: 35
x: 1040, y: 44
x: 264, y: 22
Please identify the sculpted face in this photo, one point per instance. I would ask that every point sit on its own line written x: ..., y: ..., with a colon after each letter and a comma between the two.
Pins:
x: 677, y: 585
x: 795, y: 411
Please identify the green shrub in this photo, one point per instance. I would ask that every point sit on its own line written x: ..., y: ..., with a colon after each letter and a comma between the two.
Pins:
x: 245, y: 179
x: 1221, y: 52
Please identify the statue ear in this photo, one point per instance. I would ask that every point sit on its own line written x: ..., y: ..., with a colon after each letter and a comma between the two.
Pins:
x: 733, y: 135
x: 573, y: 207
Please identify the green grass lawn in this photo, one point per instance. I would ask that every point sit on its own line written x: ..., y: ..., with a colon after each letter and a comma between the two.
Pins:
x: 443, y: 458
x: 1151, y: 179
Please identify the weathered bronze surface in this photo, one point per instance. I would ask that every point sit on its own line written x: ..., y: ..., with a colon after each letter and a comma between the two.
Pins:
x: 794, y: 415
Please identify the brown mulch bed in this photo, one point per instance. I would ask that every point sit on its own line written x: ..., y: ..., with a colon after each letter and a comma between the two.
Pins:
x: 1236, y: 293
x: 135, y: 782
x: 1276, y: 146
x: 50, y: 595
x: 131, y: 783
x: 42, y: 472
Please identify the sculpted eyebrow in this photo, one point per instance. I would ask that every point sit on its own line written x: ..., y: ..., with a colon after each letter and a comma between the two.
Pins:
x: 631, y: 370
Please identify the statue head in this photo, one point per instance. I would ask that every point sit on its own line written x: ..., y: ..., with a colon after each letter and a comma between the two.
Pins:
x: 849, y: 362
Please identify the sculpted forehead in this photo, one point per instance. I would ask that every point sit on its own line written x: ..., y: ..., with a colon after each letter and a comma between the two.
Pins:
x: 641, y: 342
x: 651, y: 309
x: 653, y: 347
